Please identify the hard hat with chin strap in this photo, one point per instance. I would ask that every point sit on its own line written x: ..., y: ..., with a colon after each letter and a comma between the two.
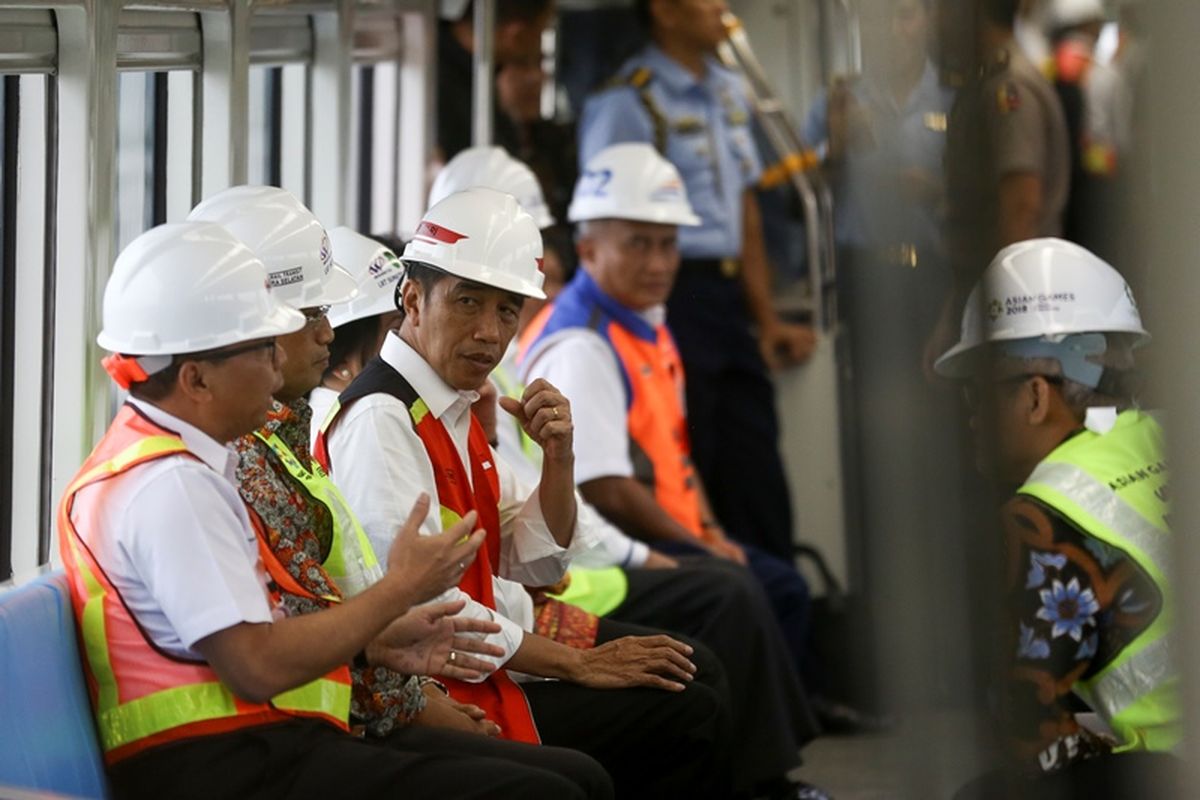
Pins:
x: 376, y: 270
x: 287, y: 237
x: 185, y: 288
x: 631, y: 181
x: 494, y: 168
x: 481, y: 235
x: 1046, y: 298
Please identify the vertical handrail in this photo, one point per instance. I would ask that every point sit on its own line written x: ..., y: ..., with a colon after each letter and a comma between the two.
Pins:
x: 482, y: 84
x: 815, y: 201
x: 853, y: 35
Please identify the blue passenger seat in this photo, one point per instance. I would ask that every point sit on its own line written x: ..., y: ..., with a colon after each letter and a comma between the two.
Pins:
x: 48, y: 738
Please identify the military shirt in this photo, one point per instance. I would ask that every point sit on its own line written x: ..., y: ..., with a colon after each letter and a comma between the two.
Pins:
x: 701, y: 125
x: 872, y: 210
x: 1007, y: 121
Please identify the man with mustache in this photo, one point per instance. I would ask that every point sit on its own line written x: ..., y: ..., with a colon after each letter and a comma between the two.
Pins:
x: 404, y: 426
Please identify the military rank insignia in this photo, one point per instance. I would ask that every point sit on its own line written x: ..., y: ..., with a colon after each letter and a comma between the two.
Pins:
x: 1008, y: 98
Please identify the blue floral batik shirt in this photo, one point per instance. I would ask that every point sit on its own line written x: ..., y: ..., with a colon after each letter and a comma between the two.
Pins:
x: 1073, y: 603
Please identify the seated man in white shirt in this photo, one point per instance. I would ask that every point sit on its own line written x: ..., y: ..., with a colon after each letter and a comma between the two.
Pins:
x: 200, y: 685
x: 405, y: 427
x: 606, y: 344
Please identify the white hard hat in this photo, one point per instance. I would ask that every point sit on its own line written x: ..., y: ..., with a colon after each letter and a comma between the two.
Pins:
x: 494, y: 168
x: 631, y: 181
x: 185, y: 288
x: 288, y: 238
x: 481, y: 235
x: 375, y: 268
x: 1042, y: 291
x: 1069, y: 13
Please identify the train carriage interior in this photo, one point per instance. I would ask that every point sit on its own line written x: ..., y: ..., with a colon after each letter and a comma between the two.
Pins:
x: 921, y: 278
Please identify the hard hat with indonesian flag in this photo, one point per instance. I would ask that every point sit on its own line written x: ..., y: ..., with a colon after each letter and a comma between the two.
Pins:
x: 631, y: 181
x: 481, y: 235
x: 494, y: 168
x: 1046, y: 298
x: 287, y: 237
x: 185, y: 288
x: 375, y: 268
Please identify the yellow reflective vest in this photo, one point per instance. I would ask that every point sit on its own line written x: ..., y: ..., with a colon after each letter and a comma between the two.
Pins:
x: 142, y: 697
x: 1114, y: 486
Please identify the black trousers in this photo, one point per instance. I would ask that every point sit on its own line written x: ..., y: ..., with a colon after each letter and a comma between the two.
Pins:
x: 654, y: 743
x: 310, y: 759
x: 731, y: 410
x: 722, y: 605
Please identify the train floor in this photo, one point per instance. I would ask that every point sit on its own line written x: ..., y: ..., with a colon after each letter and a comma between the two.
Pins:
x: 892, y: 766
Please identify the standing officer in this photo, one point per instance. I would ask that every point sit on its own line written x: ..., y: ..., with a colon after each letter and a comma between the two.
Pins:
x: 675, y: 95
x: 1008, y: 166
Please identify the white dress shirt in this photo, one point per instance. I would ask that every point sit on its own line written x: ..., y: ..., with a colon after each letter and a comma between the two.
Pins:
x: 381, y: 466
x: 178, y: 544
x: 320, y: 400
x: 582, y: 365
x: 613, y: 548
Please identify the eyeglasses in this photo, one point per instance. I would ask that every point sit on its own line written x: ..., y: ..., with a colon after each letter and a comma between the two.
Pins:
x: 314, y: 314
x: 224, y: 355
x: 976, y: 391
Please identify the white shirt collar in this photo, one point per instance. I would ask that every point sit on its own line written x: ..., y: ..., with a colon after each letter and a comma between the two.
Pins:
x: 217, y: 456
x: 438, y: 395
x: 653, y: 316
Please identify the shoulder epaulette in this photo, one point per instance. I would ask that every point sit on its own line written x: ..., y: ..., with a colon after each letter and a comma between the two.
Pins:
x: 639, y: 80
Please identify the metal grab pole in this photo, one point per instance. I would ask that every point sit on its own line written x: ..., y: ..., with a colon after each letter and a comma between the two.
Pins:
x: 482, y: 85
x: 814, y: 196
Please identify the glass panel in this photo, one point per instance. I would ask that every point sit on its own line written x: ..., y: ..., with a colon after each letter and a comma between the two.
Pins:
x: 181, y: 110
x: 258, y: 166
x: 135, y: 138
x: 386, y: 147
x: 293, y: 144
x: 27, y: 307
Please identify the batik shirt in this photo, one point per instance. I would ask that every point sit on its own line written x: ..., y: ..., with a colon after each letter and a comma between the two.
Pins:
x: 300, y: 533
x: 1074, y: 603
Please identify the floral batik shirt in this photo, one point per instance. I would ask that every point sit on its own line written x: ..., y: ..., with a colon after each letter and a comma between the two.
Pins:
x: 300, y: 533
x: 1073, y: 604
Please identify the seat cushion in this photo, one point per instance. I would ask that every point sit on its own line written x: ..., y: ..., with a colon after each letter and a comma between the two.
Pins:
x: 45, y: 717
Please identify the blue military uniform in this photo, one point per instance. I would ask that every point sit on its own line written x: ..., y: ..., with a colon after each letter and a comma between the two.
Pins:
x: 702, y: 125
x: 912, y: 136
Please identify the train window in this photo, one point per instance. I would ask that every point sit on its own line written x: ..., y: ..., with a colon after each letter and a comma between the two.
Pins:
x: 281, y: 53
x: 278, y: 124
x: 375, y: 122
x: 26, y: 305
x: 133, y: 212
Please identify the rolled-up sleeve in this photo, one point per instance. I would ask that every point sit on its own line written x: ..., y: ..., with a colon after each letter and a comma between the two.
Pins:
x: 381, y: 466
x: 528, y: 552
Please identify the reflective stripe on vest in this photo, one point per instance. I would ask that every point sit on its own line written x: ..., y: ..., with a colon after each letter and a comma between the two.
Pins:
x: 351, y: 562
x: 1113, y: 487
x: 499, y: 696
x: 141, y: 696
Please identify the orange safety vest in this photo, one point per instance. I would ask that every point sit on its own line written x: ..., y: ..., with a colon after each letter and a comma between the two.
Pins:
x: 141, y: 696
x: 499, y: 695
x: 652, y: 373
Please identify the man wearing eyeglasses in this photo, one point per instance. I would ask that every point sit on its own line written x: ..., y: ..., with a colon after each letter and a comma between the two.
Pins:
x: 1046, y: 361
x: 202, y: 685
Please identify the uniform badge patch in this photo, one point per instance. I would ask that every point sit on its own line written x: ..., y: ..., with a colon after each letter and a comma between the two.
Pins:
x: 1008, y: 98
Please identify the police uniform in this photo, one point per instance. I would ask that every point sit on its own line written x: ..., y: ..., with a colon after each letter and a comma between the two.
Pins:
x: 702, y: 126
x: 1008, y: 120
x: 892, y: 278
